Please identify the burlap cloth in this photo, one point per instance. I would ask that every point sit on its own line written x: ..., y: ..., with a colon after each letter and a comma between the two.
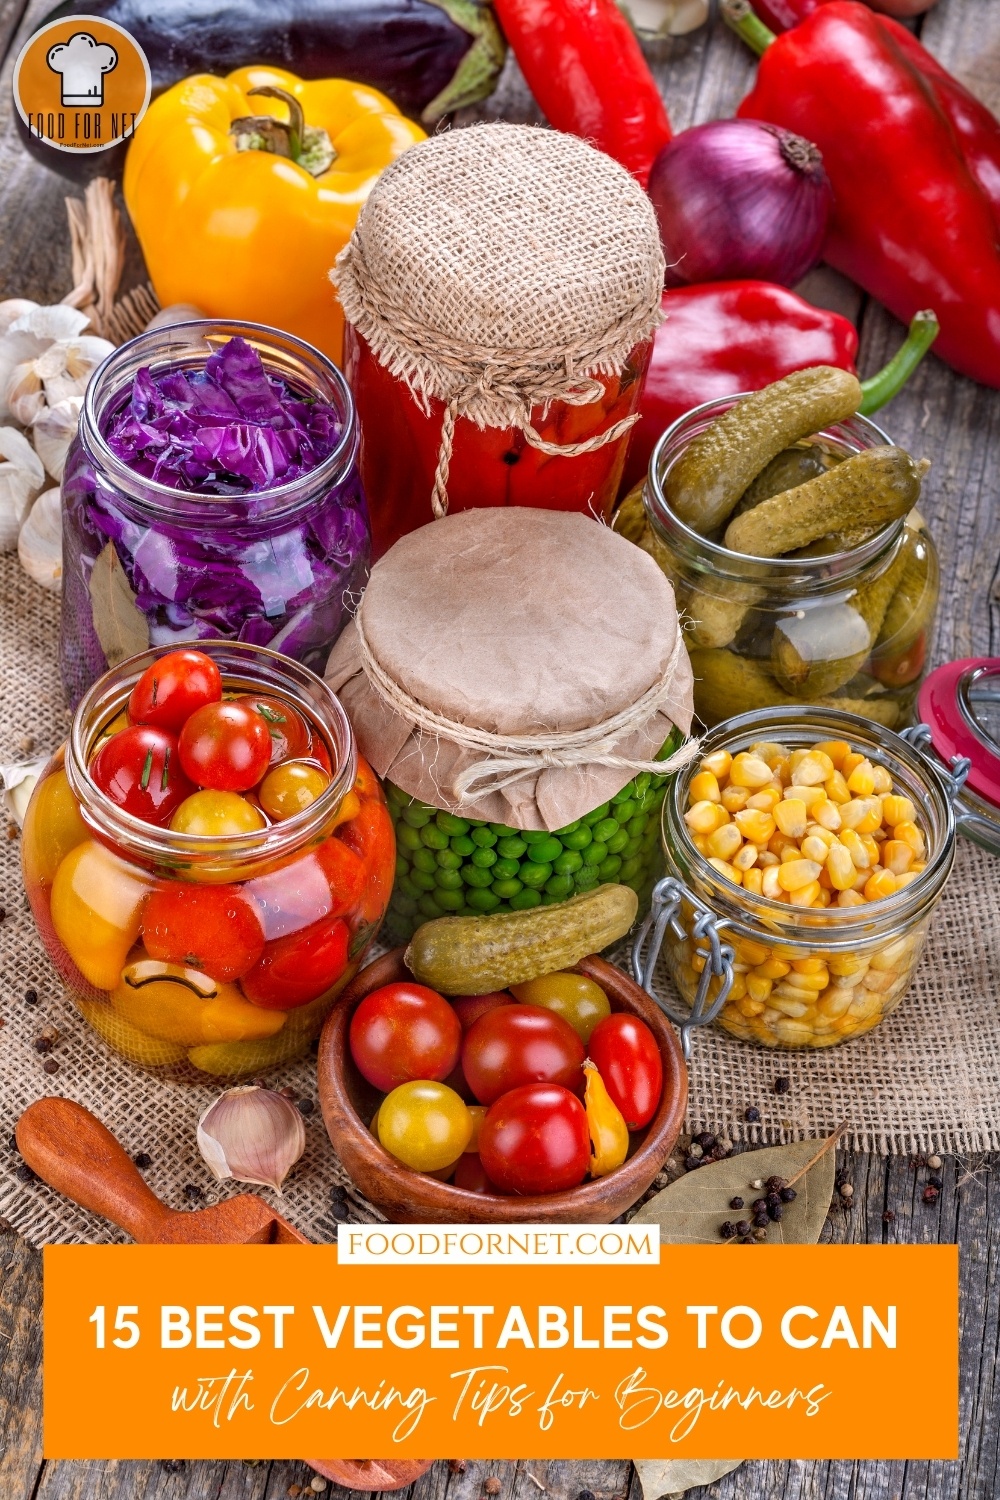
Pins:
x: 927, y: 1079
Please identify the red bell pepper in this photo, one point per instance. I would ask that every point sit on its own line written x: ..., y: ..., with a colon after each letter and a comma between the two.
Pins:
x: 587, y: 72
x: 910, y: 223
x: 732, y: 336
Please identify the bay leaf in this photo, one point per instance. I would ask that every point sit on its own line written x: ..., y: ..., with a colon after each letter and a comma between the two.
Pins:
x: 672, y: 1476
x: 691, y: 1209
x: 120, y: 627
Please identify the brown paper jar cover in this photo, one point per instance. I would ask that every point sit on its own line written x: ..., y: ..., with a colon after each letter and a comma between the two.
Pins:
x: 517, y: 622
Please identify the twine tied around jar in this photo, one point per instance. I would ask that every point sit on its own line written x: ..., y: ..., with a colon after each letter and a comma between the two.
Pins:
x: 511, y: 758
x: 499, y: 269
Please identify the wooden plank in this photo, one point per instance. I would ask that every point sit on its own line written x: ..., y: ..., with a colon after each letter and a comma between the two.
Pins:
x: 20, y: 1366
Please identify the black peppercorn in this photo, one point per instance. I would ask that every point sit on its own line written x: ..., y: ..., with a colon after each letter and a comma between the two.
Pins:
x: 888, y: 1217
x: 142, y: 1160
x: 782, y: 1085
x: 935, y: 1182
x: 736, y: 1203
x: 340, y: 1212
x: 727, y: 1229
x: 172, y: 1465
x: 50, y: 1065
x: 705, y: 1141
x: 787, y: 1195
x: 338, y: 1194
x: 752, y: 1115
x: 193, y: 1191
x: 742, y: 1227
x: 759, y: 1205
x: 775, y: 1211
x: 586, y: 1495
x: 42, y: 1044
x: 690, y: 1162
x: 25, y: 1173
x: 305, y: 1106
x: 775, y: 1184
x: 31, y: 997
x: 760, y: 1221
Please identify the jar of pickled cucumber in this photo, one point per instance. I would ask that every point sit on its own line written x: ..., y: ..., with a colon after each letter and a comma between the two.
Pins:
x: 843, y: 622
x: 805, y: 856
x: 208, y: 931
x: 519, y: 680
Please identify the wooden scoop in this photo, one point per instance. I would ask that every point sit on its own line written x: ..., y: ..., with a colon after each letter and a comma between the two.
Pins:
x: 74, y: 1153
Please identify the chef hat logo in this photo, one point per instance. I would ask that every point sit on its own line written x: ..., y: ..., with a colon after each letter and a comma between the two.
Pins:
x: 82, y: 63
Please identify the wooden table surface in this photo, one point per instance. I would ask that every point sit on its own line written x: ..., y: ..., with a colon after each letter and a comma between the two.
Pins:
x: 954, y: 422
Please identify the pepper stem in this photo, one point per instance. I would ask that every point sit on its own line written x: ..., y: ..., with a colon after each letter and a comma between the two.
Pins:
x: 740, y: 16
x: 880, y: 388
x: 307, y: 145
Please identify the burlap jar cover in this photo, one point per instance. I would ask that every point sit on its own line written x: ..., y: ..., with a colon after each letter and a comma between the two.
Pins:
x: 501, y: 268
x: 516, y: 666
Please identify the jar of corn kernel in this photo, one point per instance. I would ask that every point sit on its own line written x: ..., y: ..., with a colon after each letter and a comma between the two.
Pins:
x: 815, y: 845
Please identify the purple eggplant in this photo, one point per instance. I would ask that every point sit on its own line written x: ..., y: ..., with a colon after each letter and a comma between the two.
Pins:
x: 429, y: 56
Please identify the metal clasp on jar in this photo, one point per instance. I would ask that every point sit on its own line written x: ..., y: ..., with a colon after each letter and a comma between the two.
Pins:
x: 664, y: 913
x: 954, y: 776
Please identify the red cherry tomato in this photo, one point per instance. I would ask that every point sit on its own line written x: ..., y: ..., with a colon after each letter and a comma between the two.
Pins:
x: 170, y: 690
x: 208, y: 927
x: 520, y: 1044
x: 468, y: 1008
x: 535, y: 1140
x: 225, y: 746
x: 344, y: 872
x: 457, y: 1080
x: 404, y: 1032
x: 628, y: 1059
x: 296, y: 969
x: 470, y: 1174
x: 139, y: 769
x: 289, y: 732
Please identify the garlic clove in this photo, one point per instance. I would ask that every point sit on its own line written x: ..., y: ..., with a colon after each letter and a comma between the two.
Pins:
x: 252, y: 1135
x: 53, y: 431
x: 58, y: 322
x: 660, y: 18
x: 83, y: 355
x: 21, y: 478
x: 12, y: 308
x: 19, y: 782
x: 39, y: 545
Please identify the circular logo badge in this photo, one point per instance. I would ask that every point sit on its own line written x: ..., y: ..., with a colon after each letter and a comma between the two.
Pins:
x: 81, y: 84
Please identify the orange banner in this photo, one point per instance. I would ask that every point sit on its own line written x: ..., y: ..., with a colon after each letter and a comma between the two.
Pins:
x: 275, y: 1351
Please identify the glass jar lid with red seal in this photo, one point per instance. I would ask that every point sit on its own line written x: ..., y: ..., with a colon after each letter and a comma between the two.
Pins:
x: 959, y: 710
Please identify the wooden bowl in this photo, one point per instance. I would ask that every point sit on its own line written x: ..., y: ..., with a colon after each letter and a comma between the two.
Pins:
x: 407, y: 1197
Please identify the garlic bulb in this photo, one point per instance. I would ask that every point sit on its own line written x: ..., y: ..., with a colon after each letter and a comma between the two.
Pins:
x: 21, y: 478
x: 18, y: 784
x: 54, y: 430
x: 39, y: 545
x: 14, y: 307
x: 46, y: 357
x: 253, y: 1135
x: 659, y: 18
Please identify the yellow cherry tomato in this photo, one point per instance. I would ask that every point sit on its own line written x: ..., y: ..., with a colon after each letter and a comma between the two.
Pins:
x: 52, y: 827
x: 216, y: 815
x: 424, y: 1125
x: 96, y: 910
x: 576, y: 998
x: 290, y: 788
x: 606, y: 1124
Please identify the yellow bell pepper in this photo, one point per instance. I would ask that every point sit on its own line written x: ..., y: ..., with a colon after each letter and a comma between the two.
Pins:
x: 176, y: 1004
x: 230, y: 215
x: 97, y: 902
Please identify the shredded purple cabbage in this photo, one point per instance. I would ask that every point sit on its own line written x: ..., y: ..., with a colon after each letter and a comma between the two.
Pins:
x: 224, y: 429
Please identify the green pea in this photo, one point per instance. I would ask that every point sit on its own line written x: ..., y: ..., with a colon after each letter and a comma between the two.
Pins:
x: 506, y: 889
x: 422, y: 880
x: 568, y: 863
x: 642, y: 781
x: 404, y: 904
x: 609, y: 869
x: 525, y: 899
x: 417, y: 815
x: 626, y: 810
x: 545, y: 851
x: 449, y: 880
x: 430, y: 908
x: 473, y: 875
x: 432, y: 837
x: 559, y: 885
x: 408, y: 888
x: 483, y: 837
x: 450, y: 900
x: 482, y: 900
x: 623, y: 795
x: 628, y: 850
x: 597, y: 814
x: 570, y: 828
x: 463, y: 845
x: 586, y: 879
x: 484, y: 858
x: 630, y: 868
x: 534, y: 835
x: 423, y: 859
x: 548, y: 900
x: 578, y: 839
x: 617, y: 841
x: 449, y: 824
x: 534, y: 875
x: 505, y: 869
x: 637, y: 825
x: 605, y: 829
x: 449, y: 860
x: 595, y: 853
x: 502, y: 831
x: 407, y: 837
x: 402, y: 866
x: 511, y: 848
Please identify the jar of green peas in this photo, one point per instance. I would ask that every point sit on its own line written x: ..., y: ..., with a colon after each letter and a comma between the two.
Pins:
x: 518, y: 679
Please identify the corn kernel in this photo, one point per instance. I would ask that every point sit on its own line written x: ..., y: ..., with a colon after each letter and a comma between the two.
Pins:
x: 827, y: 814
x: 847, y: 965
x: 737, y: 991
x: 735, y: 797
x: 791, y: 817
x: 907, y: 879
x: 766, y: 857
x: 700, y: 842
x: 880, y: 883
x: 810, y: 795
x: 798, y: 873
x: 851, y: 759
x: 815, y: 980
x: 834, y: 1004
x: 703, y: 817
x: 852, y: 813
x: 779, y: 842
x: 771, y: 886
x: 896, y: 809
x: 758, y: 988
x: 725, y: 841
x: 840, y: 868
x: 855, y: 847
x: 751, y: 952
x: 806, y: 895
x: 871, y: 849
x: 765, y: 799
x: 705, y: 788
x: 825, y: 893
x: 809, y: 965
x: 817, y: 831
x: 836, y: 789
x: 917, y: 866
x: 755, y: 825
x: 825, y: 883
x: 835, y: 749
x: 772, y: 968
x: 790, y: 852
x: 883, y: 781
x: 753, y: 881
x: 770, y: 751
x: 727, y: 871
x: 910, y: 834
x: 812, y: 770
x: 718, y: 763
x: 897, y: 856
x: 750, y: 1007
x: 749, y: 770
x: 862, y: 779
x: 815, y: 849
x: 871, y: 822
x: 746, y: 858
x: 850, y: 898
x: 788, y: 1006
x: 698, y: 962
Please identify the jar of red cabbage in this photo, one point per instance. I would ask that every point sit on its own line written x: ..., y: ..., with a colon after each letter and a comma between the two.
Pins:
x: 212, y: 492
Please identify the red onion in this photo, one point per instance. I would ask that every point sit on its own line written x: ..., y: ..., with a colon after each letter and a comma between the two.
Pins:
x: 740, y: 200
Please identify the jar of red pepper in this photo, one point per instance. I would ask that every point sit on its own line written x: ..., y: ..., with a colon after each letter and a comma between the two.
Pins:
x: 187, y: 945
x: 501, y: 289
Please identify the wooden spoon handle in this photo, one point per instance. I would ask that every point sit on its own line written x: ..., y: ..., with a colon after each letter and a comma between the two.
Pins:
x: 74, y: 1153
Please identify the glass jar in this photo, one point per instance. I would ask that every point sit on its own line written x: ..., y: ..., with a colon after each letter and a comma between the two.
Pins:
x: 401, y: 438
x: 451, y: 866
x: 845, y: 629
x: 255, y: 933
x: 785, y: 976
x: 146, y: 564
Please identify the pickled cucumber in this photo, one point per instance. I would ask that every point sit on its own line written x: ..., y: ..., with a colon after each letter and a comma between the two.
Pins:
x: 793, y: 466
x: 706, y: 483
x: 476, y: 955
x: 726, y: 684
x: 901, y: 648
x: 870, y: 488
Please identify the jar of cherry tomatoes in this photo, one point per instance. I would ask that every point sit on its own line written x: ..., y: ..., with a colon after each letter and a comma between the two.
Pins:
x: 208, y: 859
x: 500, y: 288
